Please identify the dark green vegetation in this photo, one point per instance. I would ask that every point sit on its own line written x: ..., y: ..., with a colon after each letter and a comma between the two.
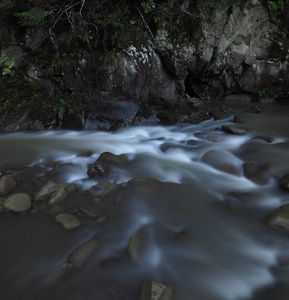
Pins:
x: 57, y: 38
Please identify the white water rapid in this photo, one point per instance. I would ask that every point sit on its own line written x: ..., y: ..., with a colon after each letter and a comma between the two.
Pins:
x: 230, y: 252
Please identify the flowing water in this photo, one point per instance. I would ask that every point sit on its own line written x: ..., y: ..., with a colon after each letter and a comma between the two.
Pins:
x: 228, y: 252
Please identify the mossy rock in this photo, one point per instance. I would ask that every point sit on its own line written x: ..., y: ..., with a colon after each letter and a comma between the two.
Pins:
x: 19, y: 203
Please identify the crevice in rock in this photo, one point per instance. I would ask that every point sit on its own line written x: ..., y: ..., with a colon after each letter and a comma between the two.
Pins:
x: 189, y: 90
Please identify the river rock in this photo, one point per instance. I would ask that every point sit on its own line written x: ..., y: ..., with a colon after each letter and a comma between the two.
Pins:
x: 85, y: 154
x: 98, y: 169
x: 234, y: 130
x: 80, y: 256
x: 7, y: 185
x: 154, y: 290
x: 46, y: 190
x: 279, y: 219
x: 68, y: 221
x: 256, y: 173
x: 58, y: 196
x: 284, y: 182
x: 102, y: 166
x: 109, y: 157
x: 223, y: 161
x: 19, y: 203
x: 135, y: 248
x: 70, y: 188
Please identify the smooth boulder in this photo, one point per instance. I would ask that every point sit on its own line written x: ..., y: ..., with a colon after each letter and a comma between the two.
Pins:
x: 7, y: 185
x: 18, y: 203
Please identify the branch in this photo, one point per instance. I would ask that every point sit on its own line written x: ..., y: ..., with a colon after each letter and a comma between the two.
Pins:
x: 145, y: 23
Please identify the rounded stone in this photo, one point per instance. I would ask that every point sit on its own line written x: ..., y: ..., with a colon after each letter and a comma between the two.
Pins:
x: 68, y: 221
x: 7, y: 185
x: 20, y: 202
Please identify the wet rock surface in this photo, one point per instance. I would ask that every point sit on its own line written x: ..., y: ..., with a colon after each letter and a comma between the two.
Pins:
x: 279, y: 219
x: 256, y: 173
x: 7, y: 184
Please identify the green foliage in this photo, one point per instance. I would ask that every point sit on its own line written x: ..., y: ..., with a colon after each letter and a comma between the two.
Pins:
x: 263, y: 93
x: 277, y: 5
x: 7, y: 66
x: 66, y: 61
x: 148, y: 6
x: 34, y: 17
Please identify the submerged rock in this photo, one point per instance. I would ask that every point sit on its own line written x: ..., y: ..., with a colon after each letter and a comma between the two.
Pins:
x: 154, y: 290
x: 19, y: 203
x: 7, y: 185
x: 135, y: 248
x: 68, y: 221
x: 182, y: 236
x: 80, y: 256
x: 85, y: 154
x: 256, y: 173
x: 279, y: 219
x: 234, y: 130
x: 223, y: 161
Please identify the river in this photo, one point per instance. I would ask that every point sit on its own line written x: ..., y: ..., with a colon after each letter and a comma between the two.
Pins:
x: 204, y: 228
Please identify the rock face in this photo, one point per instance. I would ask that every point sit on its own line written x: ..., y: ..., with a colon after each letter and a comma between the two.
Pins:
x: 231, y: 52
x: 229, y: 55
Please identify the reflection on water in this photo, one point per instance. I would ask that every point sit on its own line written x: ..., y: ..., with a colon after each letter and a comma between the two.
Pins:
x: 227, y: 253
